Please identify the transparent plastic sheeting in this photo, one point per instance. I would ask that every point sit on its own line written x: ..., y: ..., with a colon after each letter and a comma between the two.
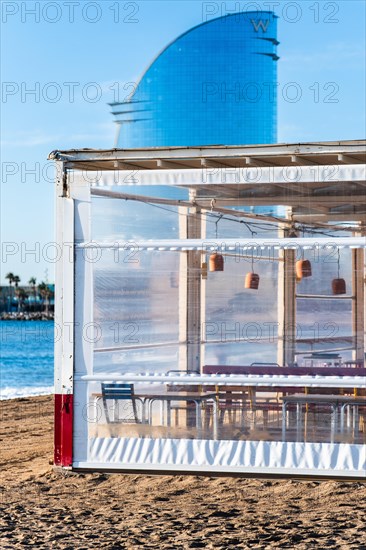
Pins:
x: 229, y: 408
x: 260, y: 457
x: 137, y: 299
x: 135, y: 295
x: 135, y: 309
x: 141, y: 326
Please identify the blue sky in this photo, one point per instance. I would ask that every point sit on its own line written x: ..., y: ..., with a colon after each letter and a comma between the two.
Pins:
x: 78, y: 56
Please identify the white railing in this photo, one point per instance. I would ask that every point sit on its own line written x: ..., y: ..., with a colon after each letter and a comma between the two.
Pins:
x: 231, y: 380
x: 208, y: 245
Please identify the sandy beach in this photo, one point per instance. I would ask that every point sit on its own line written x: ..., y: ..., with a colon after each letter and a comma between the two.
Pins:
x: 43, y: 508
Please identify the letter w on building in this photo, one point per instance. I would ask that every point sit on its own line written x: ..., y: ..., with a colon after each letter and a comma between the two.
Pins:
x: 259, y: 24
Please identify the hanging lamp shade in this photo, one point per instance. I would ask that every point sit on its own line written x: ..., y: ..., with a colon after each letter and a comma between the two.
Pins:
x: 303, y: 269
x: 338, y: 286
x: 251, y: 281
x: 216, y: 262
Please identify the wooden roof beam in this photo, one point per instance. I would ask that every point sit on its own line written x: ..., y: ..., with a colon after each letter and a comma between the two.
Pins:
x: 118, y: 165
x: 301, y: 161
x: 255, y: 161
x: 97, y: 192
x: 251, y: 215
x: 348, y: 159
x: 320, y: 219
x: 318, y: 208
x: 208, y: 163
x: 170, y: 165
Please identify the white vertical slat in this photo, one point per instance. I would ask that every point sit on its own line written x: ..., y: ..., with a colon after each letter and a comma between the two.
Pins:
x: 64, y: 291
x: 83, y: 329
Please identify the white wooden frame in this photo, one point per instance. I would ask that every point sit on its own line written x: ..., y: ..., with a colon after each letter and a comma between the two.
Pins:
x: 74, y: 296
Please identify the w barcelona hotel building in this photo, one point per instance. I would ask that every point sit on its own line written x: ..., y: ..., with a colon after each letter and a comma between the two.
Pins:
x: 213, y: 85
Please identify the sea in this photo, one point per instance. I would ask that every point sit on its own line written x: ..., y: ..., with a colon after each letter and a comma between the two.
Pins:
x: 26, y: 358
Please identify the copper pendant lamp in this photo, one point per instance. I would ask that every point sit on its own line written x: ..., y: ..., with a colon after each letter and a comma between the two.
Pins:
x: 216, y: 262
x: 303, y: 269
x: 338, y: 285
x: 252, y: 279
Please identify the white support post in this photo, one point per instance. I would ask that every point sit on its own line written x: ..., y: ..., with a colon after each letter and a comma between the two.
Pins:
x: 182, y: 305
x: 194, y: 294
x: 203, y: 284
x: 286, y: 347
x: 64, y: 322
x: 84, y: 326
x: 64, y: 287
x: 190, y: 293
x: 358, y: 304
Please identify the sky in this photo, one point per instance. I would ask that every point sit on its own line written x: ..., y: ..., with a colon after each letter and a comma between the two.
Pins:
x: 62, y: 62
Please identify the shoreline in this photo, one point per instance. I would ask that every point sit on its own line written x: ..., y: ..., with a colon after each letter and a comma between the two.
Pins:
x: 47, y: 391
x: 46, y: 508
x: 27, y: 316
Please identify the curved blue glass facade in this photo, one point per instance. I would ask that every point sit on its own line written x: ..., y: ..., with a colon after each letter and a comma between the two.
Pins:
x: 214, y: 85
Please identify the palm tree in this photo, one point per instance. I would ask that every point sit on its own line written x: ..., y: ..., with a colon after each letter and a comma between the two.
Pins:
x: 21, y: 296
x: 10, y: 277
x: 16, y: 280
x: 32, y: 282
x: 45, y: 293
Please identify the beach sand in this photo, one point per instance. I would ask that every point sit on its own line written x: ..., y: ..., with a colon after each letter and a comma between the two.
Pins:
x: 43, y: 508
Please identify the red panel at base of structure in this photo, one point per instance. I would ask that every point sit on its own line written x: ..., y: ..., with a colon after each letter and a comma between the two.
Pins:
x: 63, y: 430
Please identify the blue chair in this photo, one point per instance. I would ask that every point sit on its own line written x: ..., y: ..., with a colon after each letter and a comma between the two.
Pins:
x: 121, y: 392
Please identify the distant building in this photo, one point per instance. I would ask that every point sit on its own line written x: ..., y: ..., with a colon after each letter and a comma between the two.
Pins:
x: 215, y: 84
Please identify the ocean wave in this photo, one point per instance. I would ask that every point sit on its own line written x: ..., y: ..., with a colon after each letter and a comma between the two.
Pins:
x: 26, y: 391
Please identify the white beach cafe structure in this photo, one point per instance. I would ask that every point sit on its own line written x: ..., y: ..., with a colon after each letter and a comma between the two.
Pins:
x: 196, y: 333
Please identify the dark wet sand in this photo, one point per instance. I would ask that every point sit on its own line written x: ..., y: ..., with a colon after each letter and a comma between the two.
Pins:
x: 41, y: 508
